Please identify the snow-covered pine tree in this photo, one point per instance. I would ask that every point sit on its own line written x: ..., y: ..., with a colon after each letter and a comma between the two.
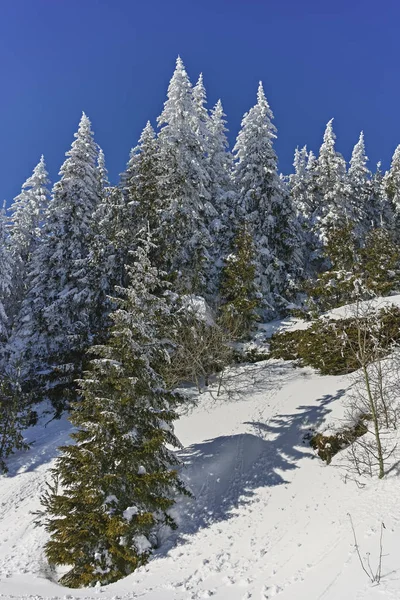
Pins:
x: 6, y: 275
x: 211, y: 132
x: 380, y: 263
x: 119, y: 480
x: 201, y: 121
x: 105, y: 260
x: 112, y: 227
x: 339, y: 283
x: 298, y: 182
x: 183, y: 185
x: 222, y: 193
x: 239, y: 296
x: 359, y: 191
x: 102, y: 170
x: 28, y: 214
x: 302, y: 191
x: 331, y: 209
x: 391, y: 187
x: 265, y: 204
x: 59, y: 315
x: 144, y: 206
x: 15, y: 416
x: 381, y: 206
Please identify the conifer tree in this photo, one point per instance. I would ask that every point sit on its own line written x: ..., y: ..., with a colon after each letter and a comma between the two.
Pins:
x: 14, y: 418
x: 298, y: 183
x: 265, y: 204
x: 211, y: 133
x: 331, y: 208
x: 102, y: 170
x: 111, y: 227
x: 222, y: 192
x: 240, y: 298
x: 381, y: 207
x: 6, y: 272
x: 302, y: 191
x: 391, y: 186
x: 105, y: 260
x: 356, y: 272
x: 200, y: 113
x: 28, y: 214
x: 184, y: 185
x: 119, y: 480
x: 60, y: 313
x: 144, y: 207
x: 339, y: 283
x: 380, y: 263
x: 359, y: 191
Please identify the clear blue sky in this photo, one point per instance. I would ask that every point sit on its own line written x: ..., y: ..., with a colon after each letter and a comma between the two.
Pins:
x: 113, y: 59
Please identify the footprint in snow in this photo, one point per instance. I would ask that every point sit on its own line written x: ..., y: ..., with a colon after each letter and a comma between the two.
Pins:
x: 270, y: 592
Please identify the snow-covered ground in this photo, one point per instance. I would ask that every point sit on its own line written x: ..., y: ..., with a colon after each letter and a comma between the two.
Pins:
x: 270, y: 519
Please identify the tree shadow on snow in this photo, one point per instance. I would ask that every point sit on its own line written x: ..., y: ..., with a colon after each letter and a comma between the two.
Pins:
x: 224, y: 473
x: 242, y: 382
x: 44, y: 440
x: 247, y: 380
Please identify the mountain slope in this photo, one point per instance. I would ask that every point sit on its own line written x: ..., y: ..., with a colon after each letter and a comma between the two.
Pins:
x: 269, y: 518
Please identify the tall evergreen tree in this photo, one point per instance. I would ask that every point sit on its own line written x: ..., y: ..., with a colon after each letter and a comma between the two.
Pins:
x: 119, y: 480
x: 102, y: 170
x: 6, y: 272
x: 222, y: 190
x: 60, y: 313
x: 28, y: 214
x: 144, y: 206
x: 299, y: 184
x: 240, y: 298
x: 359, y: 191
x: 265, y: 204
x: 382, y: 208
x: 184, y: 185
x: 200, y: 112
x: 302, y: 191
x: 105, y: 261
x: 391, y: 187
x: 331, y: 208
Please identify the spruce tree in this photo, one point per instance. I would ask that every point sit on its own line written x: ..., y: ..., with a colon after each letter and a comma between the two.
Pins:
x: 184, y: 185
x: 302, y: 191
x: 29, y: 211
x: 143, y: 204
x: 381, y: 207
x: 105, y: 260
x: 119, y: 479
x: 102, y: 170
x: 299, y: 184
x: 264, y: 202
x: 331, y: 208
x: 59, y: 315
x: 391, y: 186
x: 201, y: 118
x: 222, y: 193
x: 239, y: 296
x: 28, y: 214
x: 339, y: 283
x: 359, y: 191
x: 6, y: 273
x: 14, y: 418
x: 380, y: 263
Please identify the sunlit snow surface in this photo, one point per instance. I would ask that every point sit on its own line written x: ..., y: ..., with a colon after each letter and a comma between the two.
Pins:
x: 269, y: 518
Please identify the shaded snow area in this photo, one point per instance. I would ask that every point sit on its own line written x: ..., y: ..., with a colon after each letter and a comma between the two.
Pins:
x: 269, y: 518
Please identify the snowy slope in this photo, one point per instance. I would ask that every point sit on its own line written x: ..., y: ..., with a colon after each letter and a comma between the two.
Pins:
x: 269, y: 519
